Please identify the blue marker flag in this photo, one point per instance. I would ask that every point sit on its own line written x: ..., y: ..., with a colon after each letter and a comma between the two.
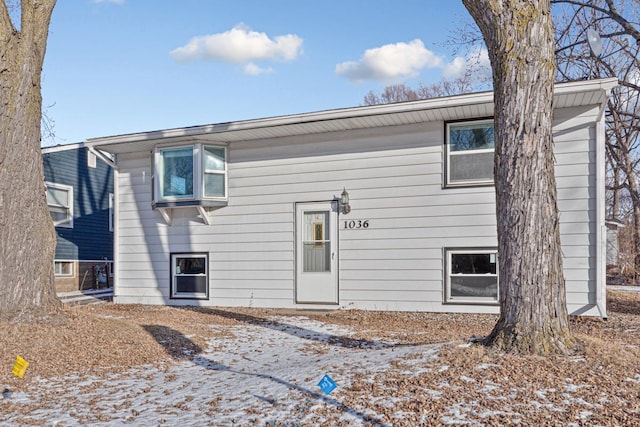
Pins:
x: 327, y: 385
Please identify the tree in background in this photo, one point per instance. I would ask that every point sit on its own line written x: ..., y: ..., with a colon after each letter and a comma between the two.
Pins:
x: 616, y: 22
x: 27, y: 239
x: 402, y: 92
x: 519, y: 36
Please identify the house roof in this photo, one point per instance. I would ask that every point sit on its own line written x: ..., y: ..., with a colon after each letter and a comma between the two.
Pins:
x: 572, y: 94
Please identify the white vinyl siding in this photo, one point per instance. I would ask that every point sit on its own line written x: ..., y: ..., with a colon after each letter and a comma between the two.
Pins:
x: 394, y: 177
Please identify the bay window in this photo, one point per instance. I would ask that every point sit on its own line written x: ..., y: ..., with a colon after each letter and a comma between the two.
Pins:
x: 190, y: 175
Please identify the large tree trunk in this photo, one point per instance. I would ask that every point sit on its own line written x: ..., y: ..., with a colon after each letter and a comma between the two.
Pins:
x: 27, y: 239
x: 519, y: 38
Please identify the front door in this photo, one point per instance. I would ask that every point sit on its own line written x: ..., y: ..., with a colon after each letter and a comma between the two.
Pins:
x: 317, y: 253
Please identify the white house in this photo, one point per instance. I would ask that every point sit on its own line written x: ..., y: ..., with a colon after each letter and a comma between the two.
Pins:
x: 249, y: 213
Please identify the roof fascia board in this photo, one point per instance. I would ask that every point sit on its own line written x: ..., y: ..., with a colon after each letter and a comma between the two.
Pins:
x: 561, y: 89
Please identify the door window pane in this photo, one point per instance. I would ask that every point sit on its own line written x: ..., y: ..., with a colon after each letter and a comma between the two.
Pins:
x: 316, y: 242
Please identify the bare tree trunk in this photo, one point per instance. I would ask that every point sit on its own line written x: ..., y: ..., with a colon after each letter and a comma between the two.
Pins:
x: 519, y: 37
x: 27, y: 240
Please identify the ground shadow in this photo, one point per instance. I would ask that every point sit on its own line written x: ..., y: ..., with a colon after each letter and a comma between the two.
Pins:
x: 214, y: 366
x: 617, y: 304
x: 299, y: 332
x: 181, y: 347
x: 175, y: 343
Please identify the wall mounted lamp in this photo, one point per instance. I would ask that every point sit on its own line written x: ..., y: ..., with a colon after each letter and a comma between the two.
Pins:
x: 344, y: 201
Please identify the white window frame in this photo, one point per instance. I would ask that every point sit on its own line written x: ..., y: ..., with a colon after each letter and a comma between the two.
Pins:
x: 449, y: 299
x: 57, y: 263
x: 206, y: 172
x: 449, y: 153
x: 174, y: 294
x: 198, y: 175
x: 68, y: 222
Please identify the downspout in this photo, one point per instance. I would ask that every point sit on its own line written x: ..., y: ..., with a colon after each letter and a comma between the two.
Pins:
x: 116, y: 228
x: 601, y: 228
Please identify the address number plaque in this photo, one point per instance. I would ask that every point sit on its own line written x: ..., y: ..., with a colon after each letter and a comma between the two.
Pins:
x: 355, y: 224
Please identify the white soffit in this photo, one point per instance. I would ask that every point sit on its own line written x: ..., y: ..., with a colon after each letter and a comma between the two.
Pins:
x: 475, y: 105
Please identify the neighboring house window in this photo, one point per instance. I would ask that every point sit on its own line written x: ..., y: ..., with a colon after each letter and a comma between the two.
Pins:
x: 471, y: 276
x: 91, y: 159
x: 469, y: 148
x: 190, y: 173
x: 60, y: 201
x: 63, y: 268
x: 190, y: 276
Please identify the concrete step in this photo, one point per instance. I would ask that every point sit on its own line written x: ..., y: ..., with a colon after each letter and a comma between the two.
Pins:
x: 89, y: 296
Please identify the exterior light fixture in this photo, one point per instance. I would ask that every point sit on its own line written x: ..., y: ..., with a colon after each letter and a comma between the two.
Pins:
x: 344, y: 201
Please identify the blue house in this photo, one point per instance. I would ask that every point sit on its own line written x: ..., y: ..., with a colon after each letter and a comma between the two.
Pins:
x: 80, y: 198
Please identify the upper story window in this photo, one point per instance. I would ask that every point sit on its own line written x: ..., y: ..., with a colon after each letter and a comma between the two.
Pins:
x: 190, y: 174
x: 91, y: 159
x: 469, y: 149
x: 60, y: 201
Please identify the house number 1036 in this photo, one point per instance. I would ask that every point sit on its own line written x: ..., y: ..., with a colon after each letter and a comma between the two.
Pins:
x: 356, y: 224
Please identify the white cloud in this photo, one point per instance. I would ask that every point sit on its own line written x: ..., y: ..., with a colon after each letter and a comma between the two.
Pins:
x: 240, y: 45
x: 390, y: 62
x: 477, y: 61
x: 252, y: 69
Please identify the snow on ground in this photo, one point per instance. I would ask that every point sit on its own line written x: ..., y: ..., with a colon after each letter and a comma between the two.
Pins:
x: 267, y: 375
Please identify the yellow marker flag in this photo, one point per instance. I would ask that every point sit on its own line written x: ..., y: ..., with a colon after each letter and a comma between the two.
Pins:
x: 20, y: 367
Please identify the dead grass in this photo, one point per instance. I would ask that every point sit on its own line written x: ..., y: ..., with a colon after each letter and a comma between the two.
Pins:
x: 106, y: 337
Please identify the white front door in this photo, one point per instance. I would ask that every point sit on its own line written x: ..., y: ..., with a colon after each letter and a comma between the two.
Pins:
x: 317, y: 253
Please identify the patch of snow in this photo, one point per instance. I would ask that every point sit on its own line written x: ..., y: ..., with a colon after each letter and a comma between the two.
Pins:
x: 634, y: 380
x: 266, y: 373
x: 483, y: 366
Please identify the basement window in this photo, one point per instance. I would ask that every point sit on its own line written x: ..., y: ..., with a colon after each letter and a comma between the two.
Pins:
x: 190, y: 276
x: 471, y: 276
x: 63, y: 268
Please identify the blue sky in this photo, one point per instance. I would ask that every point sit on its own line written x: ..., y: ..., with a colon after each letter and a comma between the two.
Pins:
x: 121, y: 66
